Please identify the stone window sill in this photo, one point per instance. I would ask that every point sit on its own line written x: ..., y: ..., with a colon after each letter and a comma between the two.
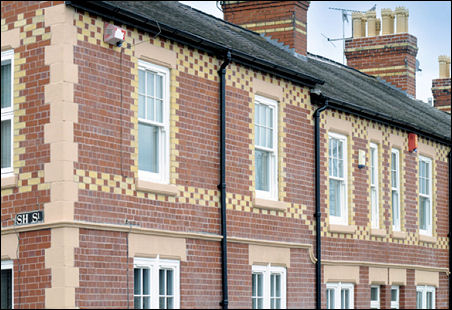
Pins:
x: 378, y: 232
x: 270, y: 204
x: 427, y: 239
x: 399, y: 235
x: 342, y: 229
x: 157, y: 188
x: 9, y: 181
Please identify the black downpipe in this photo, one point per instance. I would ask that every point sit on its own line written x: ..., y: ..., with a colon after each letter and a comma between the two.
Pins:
x: 318, y: 214
x: 222, y: 185
x: 450, y: 223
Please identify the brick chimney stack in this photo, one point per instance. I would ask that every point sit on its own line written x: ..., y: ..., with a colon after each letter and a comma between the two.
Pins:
x: 284, y: 21
x: 389, y: 55
x: 441, y: 86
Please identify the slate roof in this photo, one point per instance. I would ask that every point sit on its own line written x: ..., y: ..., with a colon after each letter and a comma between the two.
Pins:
x: 341, y: 84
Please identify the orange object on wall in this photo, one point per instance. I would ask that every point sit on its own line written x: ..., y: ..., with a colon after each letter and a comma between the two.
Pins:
x: 412, y: 142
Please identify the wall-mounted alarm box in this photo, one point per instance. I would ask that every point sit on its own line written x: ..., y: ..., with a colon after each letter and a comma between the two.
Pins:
x: 114, y: 35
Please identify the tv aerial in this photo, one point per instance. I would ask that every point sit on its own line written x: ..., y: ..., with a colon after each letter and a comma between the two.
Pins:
x: 345, y: 14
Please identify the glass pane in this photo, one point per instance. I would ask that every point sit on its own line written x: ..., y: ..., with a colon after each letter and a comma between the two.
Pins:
x: 374, y: 294
x: 263, y: 115
x: 169, y: 303
x: 260, y: 288
x: 422, y: 213
x: 334, y: 143
x: 393, y: 179
x: 278, y: 304
x: 141, y: 82
x: 254, y: 303
x: 272, y: 303
x: 264, y: 134
x: 141, y: 106
x: 253, y: 285
x: 335, y: 166
x: 137, y: 281
x: 269, y: 136
x: 159, y: 111
x: 262, y: 170
x: 340, y: 168
x: 169, y: 282
x: 278, y: 285
x: 340, y: 153
x: 260, y: 303
x: 148, y: 144
x: 6, y: 86
x: 335, y: 198
x: 257, y: 115
x: 330, y: 299
x: 162, y: 282
x: 6, y: 144
x: 150, y: 109
x: 145, y: 281
x: 158, y: 87
x: 272, y: 285
x: 137, y: 302
x: 257, y: 138
x: 418, y: 300
x: 161, y: 302
x: 268, y: 117
x: 150, y: 84
x: 429, y: 300
x: 146, y: 302
x: 345, y: 299
x: 394, y: 294
x: 395, y: 208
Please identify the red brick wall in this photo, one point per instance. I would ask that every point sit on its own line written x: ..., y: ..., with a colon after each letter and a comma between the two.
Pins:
x: 31, y: 277
x: 442, y: 97
x: 384, y: 56
x: 300, y: 280
x: 247, y: 12
x: 102, y: 262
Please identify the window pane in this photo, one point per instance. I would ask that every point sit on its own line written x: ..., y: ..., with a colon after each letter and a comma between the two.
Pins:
x: 169, y: 282
x: 272, y: 303
x: 418, y: 300
x: 260, y: 288
x: 169, y: 303
x: 339, y: 149
x: 257, y: 116
x: 158, y: 87
x: 260, y: 303
x: 429, y: 300
x: 162, y: 303
x: 137, y: 302
x: 6, y: 144
x: 159, y: 110
x: 253, y: 285
x: 162, y: 282
x: 330, y: 299
x: 262, y: 170
x: 395, y: 208
x: 141, y: 81
x: 374, y: 294
x: 394, y: 294
x: 6, y: 294
x: 278, y: 285
x: 141, y: 106
x: 145, y: 281
x: 150, y: 109
x: 146, y: 302
x: 148, y: 141
x: 335, y: 197
x: 345, y: 302
x: 6, y: 86
x: 335, y: 166
x: 423, y: 212
x: 278, y: 304
x: 137, y: 281
x: 341, y: 168
x: 272, y: 285
x: 150, y: 84
x: 269, y: 134
x: 254, y: 305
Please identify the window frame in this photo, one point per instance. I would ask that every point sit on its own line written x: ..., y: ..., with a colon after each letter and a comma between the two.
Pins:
x: 374, y: 205
x: 424, y: 289
x: 375, y: 304
x: 272, y: 193
x: 343, y: 219
x: 155, y: 265
x: 429, y: 196
x: 395, y: 304
x: 164, y: 129
x: 267, y: 271
x: 337, y: 287
x: 9, y: 265
x: 396, y: 225
x: 8, y: 112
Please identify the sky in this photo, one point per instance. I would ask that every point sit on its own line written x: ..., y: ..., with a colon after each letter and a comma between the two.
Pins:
x: 429, y: 21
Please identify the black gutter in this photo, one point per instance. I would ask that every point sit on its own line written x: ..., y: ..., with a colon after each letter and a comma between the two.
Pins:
x: 318, y: 214
x: 122, y: 16
x: 450, y: 223
x: 222, y: 185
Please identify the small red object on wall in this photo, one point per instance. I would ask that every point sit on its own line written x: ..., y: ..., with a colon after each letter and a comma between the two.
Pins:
x: 412, y: 142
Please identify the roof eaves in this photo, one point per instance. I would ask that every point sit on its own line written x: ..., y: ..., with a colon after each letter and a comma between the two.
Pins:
x: 127, y: 17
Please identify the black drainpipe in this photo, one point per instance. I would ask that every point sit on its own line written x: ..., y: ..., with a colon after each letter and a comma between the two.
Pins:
x: 318, y: 215
x: 450, y: 223
x: 222, y: 185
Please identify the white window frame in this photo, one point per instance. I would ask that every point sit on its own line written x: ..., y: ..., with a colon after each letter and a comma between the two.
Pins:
x: 267, y: 271
x: 164, y: 133
x: 154, y: 265
x: 9, y: 265
x: 427, y: 231
x: 337, y: 289
x: 343, y: 219
x: 395, y: 303
x: 374, y: 186
x: 424, y: 289
x: 8, y: 113
x: 272, y: 194
x: 375, y: 304
x: 396, y: 226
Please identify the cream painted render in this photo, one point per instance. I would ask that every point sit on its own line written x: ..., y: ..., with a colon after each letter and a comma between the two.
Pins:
x: 9, y: 247
x: 150, y: 246
x: 158, y: 55
x: 422, y: 277
x: 267, y: 89
x: 378, y: 276
x: 341, y: 273
x: 259, y: 255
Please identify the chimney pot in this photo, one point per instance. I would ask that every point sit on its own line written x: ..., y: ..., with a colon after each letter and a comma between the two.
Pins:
x: 401, y: 14
x: 371, y: 23
x: 444, y: 65
x: 358, y: 19
x: 387, y: 17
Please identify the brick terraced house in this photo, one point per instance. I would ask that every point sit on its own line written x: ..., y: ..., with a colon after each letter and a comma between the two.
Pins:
x: 154, y: 156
